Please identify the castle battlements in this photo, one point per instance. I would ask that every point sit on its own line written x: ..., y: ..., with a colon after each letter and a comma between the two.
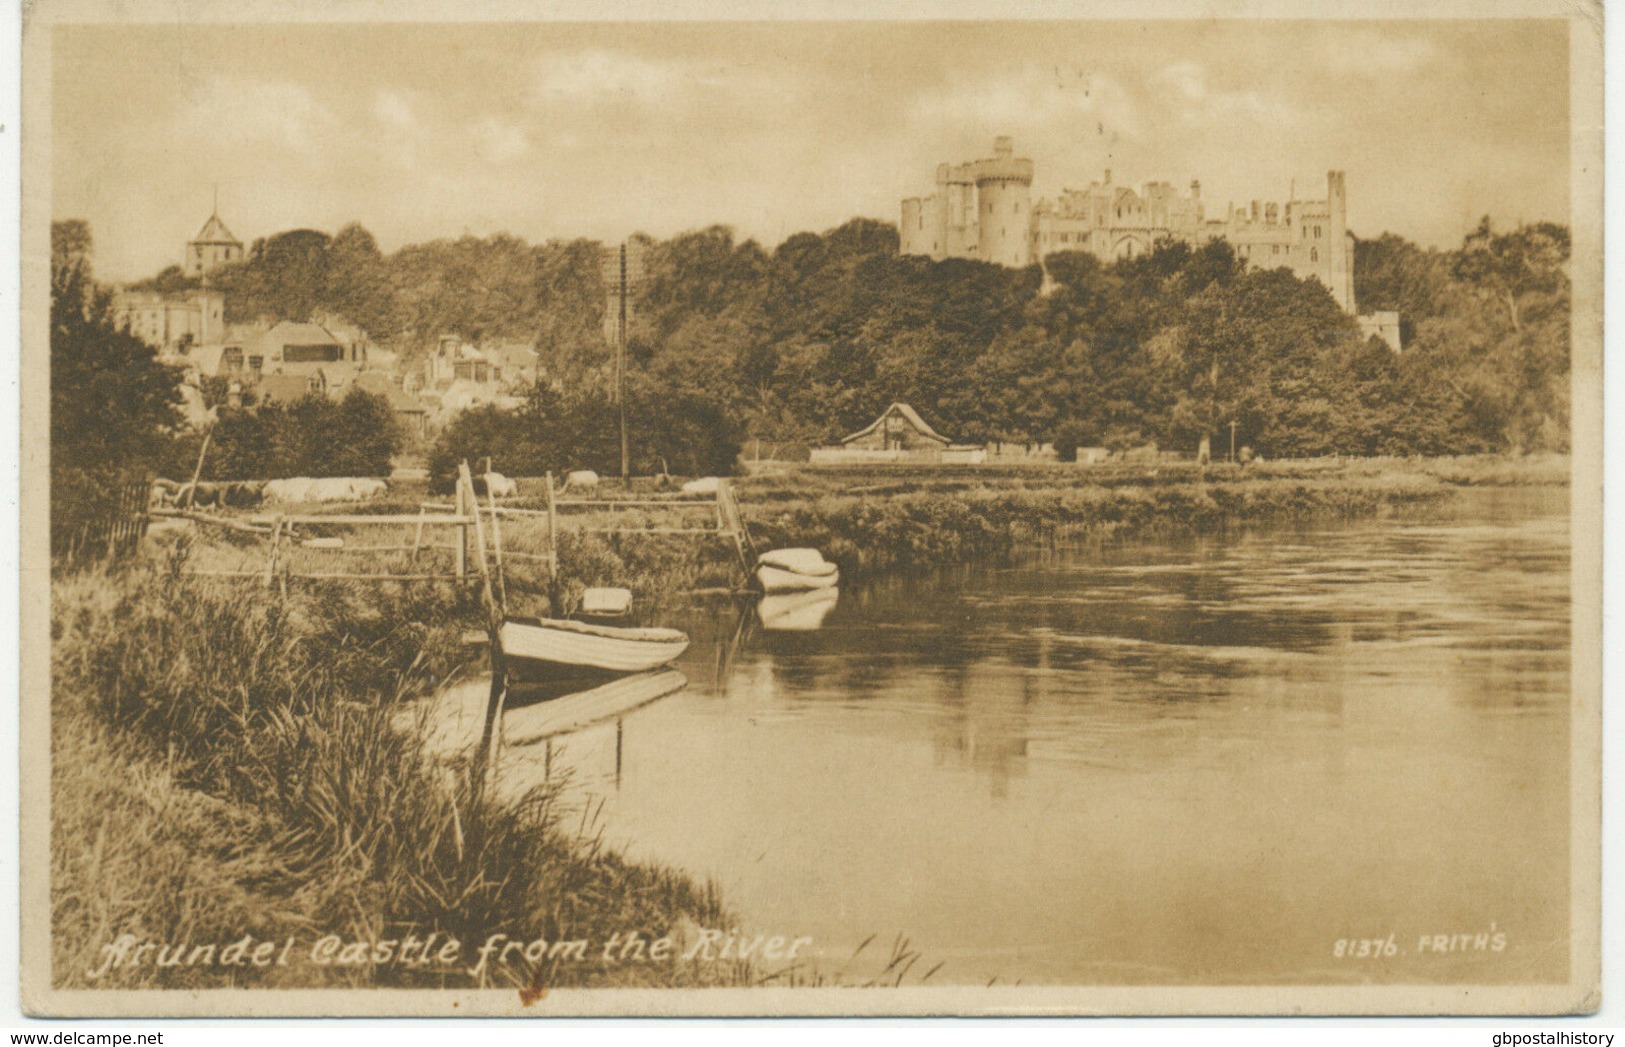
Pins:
x: 983, y: 210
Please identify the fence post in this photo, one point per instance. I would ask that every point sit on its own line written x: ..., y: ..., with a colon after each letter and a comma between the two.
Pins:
x: 270, y: 560
x: 491, y: 738
x: 552, y: 533
x: 496, y: 540
x: 462, y: 533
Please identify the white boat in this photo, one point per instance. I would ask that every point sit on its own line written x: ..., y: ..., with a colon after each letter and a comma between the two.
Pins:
x: 795, y: 570
x: 556, y: 648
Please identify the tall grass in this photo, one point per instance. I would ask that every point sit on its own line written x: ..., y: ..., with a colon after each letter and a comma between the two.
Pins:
x: 224, y: 764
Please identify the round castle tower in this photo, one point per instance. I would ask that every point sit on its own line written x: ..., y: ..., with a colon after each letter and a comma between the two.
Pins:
x: 1004, y: 209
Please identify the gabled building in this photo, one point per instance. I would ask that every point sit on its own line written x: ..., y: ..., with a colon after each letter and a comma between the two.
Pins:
x: 898, y: 435
x: 899, y: 428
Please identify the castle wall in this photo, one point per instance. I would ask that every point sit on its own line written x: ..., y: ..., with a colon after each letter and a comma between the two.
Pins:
x: 984, y: 210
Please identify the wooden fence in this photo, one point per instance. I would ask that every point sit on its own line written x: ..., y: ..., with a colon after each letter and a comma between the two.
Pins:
x: 288, y: 534
x: 119, y: 531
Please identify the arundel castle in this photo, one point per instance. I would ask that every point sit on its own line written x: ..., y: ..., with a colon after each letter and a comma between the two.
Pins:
x: 984, y: 210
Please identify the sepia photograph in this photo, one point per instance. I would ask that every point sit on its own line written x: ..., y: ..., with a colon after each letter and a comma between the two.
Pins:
x: 531, y: 513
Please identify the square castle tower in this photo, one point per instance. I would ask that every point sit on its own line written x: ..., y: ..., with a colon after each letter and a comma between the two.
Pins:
x: 983, y: 210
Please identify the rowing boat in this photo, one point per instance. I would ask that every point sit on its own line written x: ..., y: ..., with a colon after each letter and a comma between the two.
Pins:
x: 795, y: 570
x: 554, y: 648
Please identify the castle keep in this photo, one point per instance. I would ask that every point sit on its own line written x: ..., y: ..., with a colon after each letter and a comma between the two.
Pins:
x: 984, y: 210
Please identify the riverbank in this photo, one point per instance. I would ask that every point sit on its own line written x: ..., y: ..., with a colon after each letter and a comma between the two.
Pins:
x: 224, y: 764
x: 870, y: 519
x: 224, y: 767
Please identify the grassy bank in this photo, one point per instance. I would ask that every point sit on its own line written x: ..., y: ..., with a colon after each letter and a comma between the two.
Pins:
x: 223, y: 766
x: 877, y: 518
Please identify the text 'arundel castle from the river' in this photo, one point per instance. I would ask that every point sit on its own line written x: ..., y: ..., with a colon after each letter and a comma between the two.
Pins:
x: 984, y: 210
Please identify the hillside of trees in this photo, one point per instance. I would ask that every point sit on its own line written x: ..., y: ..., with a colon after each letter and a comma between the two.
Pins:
x: 809, y: 341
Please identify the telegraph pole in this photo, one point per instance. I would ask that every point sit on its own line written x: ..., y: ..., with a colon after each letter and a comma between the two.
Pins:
x: 623, y: 274
x: 620, y: 369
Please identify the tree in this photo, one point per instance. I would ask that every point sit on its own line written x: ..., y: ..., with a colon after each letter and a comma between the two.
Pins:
x: 357, y: 283
x: 360, y: 438
x: 1528, y: 265
x: 114, y: 407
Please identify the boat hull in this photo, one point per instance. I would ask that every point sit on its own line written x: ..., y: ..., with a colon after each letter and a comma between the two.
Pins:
x: 571, y: 650
x: 780, y: 580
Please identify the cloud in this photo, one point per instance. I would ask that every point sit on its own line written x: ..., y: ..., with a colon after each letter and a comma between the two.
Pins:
x: 1182, y: 91
x: 394, y: 109
x: 497, y: 140
x: 1037, y: 102
x: 599, y: 74
x: 1185, y: 80
x: 1373, y: 54
x: 256, y: 113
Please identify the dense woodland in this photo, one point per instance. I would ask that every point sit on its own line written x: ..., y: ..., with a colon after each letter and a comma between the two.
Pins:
x: 809, y: 341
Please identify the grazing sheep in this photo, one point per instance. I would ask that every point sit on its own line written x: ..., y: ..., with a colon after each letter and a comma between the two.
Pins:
x: 584, y: 479
x: 498, y: 486
x: 335, y: 489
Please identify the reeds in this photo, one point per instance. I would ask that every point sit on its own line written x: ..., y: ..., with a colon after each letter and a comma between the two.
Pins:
x: 224, y: 764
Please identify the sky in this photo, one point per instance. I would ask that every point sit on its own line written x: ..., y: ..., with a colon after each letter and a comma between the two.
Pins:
x: 568, y: 130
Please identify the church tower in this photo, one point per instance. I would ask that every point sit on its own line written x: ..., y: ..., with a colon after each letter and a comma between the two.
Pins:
x: 213, y: 247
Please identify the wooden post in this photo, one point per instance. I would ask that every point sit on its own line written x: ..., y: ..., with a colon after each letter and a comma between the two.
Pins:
x: 417, y: 537
x: 552, y: 533
x: 496, y: 542
x: 736, y: 526
x: 197, y: 473
x: 270, y: 560
x: 490, y: 738
x: 462, y: 531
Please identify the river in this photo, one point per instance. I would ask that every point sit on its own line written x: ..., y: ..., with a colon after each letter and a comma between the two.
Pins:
x: 1203, y: 761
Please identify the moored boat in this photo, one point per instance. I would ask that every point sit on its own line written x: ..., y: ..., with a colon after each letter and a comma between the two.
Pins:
x: 554, y: 648
x: 795, y: 570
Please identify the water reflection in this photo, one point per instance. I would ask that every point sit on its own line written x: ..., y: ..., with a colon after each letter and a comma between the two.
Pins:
x: 1194, y: 761
x: 534, y: 716
x: 797, y: 612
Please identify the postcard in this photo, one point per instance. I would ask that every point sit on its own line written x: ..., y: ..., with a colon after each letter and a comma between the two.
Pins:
x: 800, y: 510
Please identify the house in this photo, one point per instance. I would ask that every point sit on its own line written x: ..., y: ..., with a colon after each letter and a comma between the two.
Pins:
x: 410, y: 412
x: 173, y: 324
x: 899, y: 428
x: 898, y: 435
x: 503, y: 365
x: 463, y: 394
x: 298, y: 350
x: 287, y: 388
x: 291, y: 347
x: 516, y: 363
